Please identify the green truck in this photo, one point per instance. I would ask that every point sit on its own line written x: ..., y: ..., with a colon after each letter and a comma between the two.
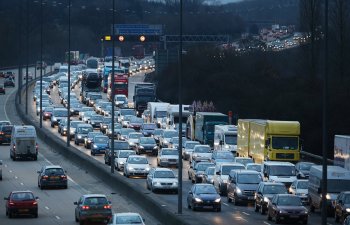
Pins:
x: 200, y: 126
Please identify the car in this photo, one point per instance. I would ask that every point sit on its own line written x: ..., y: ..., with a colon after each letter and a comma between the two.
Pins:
x: 124, y: 133
x: 196, y: 171
x: 2, y: 89
x: 168, y: 157
x: 147, y: 129
x: 242, y: 185
x: 156, y: 134
x: 287, y: 207
x: 201, y: 151
x: 44, y: 105
x: 135, y: 123
x: 254, y: 166
x: 164, y: 139
x: 21, y: 203
x: 146, y: 145
x: 303, y: 169
x: 203, y: 195
x: 83, y: 110
x: 120, y: 158
x: 121, y: 101
x: 30, y: 76
x: 127, y: 219
x: 95, y: 121
x: 93, y: 207
x: 265, y: 193
x: 47, y: 113
x: 222, y: 156
x: 134, y: 139
x: 73, y: 126
x: 104, y: 123
x: 118, y: 145
x: 40, y: 65
x: 52, y: 176
x: 341, y: 206
x: 174, y: 142
x: 75, y: 108
x: 89, y: 137
x: 188, y: 149
x: 126, y: 120
x: 62, y: 127
x: 4, y: 122
x: 99, y: 144
x: 56, y: 66
x: 222, y: 172
x: 347, y: 220
x: 87, y: 115
x: 117, y: 128
x: 81, y: 132
x: 300, y: 188
x: 162, y: 179
x: 208, y: 176
x: 136, y: 165
x: 243, y: 160
x: 57, y: 115
x: 5, y: 133
x: 9, y: 82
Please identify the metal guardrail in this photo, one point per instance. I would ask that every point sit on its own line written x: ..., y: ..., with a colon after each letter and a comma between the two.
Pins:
x: 314, y: 158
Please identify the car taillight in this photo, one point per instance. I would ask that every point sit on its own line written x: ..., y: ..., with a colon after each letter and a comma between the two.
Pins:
x: 64, y: 177
x: 35, y: 203
x: 85, y: 207
x: 1, y: 133
x: 37, y: 147
x: 44, y: 177
x: 107, y: 207
x: 11, y: 203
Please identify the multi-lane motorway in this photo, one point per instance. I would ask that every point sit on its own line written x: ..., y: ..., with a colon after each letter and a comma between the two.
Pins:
x: 55, y: 206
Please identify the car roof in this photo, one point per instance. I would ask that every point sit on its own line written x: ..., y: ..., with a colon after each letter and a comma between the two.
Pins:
x: 126, y: 214
x: 162, y: 169
x: 94, y: 195
x: 278, y: 163
x: 272, y: 183
x: 246, y: 171
x: 52, y: 167
x: 27, y: 191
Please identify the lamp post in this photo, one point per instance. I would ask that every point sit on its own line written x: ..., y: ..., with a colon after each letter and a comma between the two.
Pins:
x: 102, y: 47
x: 41, y: 62
x: 27, y: 53
x: 179, y: 204
x: 113, y: 89
x: 20, y: 54
x: 68, y: 107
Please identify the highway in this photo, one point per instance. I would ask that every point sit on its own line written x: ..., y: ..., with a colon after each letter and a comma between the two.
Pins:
x: 230, y: 214
x: 55, y: 205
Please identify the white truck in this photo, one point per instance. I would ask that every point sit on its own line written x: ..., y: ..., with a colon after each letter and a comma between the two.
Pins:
x: 173, y: 117
x: 158, y: 111
x: 225, y: 138
x: 24, y: 143
x: 342, y: 151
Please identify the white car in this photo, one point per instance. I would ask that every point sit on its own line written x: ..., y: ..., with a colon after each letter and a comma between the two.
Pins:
x: 221, y: 175
x: 134, y: 139
x: 120, y: 158
x: 162, y: 179
x: 300, y: 188
x: 188, y: 149
x: 127, y: 219
x: 168, y: 157
x: 136, y: 165
x: 243, y: 160
x: 121, y: 101
x: 201, y: 151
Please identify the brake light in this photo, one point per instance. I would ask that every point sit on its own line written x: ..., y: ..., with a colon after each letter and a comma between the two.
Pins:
x: 85, y: 207
x: 107, y: 207
x: 45, y: 177
x: 35, y: 203
x: 14, y: 146
x: 37, y: 147
x: 11, y: 203
x: 1, y: 133
x: 64, y: 177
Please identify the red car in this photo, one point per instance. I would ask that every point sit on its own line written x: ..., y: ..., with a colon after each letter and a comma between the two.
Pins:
x: 21, y: 203
x: 47, y: 113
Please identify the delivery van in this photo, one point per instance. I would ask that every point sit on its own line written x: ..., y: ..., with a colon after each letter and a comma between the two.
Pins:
x: 23, y: 143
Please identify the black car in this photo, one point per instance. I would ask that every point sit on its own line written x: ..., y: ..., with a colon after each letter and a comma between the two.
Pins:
x: 52, y: 176
x: 147, y: 129
x: 5, y: 133
x: 203, y: 196
x: 9, y: 82
x: 2, y: 89
x: 265, y: 193
x: 118, y: 145
x: 303, y: 169
x: 341, y: 206
x: 146, y: 145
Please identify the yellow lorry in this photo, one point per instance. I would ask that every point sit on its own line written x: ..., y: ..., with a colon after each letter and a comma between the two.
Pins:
x: 268, y: 140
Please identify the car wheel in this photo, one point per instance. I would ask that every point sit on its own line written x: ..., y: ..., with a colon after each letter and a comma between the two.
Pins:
x: 35, y: 158
x: 277, y: 220
x: 81, y: 222
x: 269, y: 218
x: 336, y: 217
x: 92, y: 153
x: 256, y: 207
x: 234, y: 199
x: 14, y: 157
x: 218, y: 209
x: 312, y: 207
x: 52, y: 125
x: 262, y: 210
x: 75, y: 143
x: 65, y: 186
x: 10, y: 214
x: 35, y: 215
x: 305, y: 221
x: 229, y: 199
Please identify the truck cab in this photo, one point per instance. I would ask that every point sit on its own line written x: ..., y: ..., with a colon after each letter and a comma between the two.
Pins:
x: 225, y: 138
x: 283, y: 172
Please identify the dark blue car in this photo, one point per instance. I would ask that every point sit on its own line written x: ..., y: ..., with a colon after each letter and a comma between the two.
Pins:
x: 99, y: 144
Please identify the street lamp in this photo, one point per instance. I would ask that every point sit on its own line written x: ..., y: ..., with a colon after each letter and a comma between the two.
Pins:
x: 41, y: 62
x: 68, y: 107
x: 102, y: 48
x: 113, y: 89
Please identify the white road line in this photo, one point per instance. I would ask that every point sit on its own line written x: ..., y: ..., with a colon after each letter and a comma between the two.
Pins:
x: 163, y: 205
x: 16, y: 177
x: 329, y: 224
x: 246, y: 213
x: 225, y: 203
x: 57, y: 217
x: 22, y: 184
x: 10, y: 171
x: 5, y: 165
x: 7, y: 98
x: 46, y: 207
x: 266, y: 223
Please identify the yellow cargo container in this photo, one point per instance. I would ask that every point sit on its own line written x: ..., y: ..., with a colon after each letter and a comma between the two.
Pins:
x: 269, y: 140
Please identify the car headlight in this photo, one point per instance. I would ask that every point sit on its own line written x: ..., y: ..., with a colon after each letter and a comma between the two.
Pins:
x: 130, y: 168
x: 121, y: 163
x: 226, y: 146
x: 79, y: 136
x: 224, y: 181
x: 217, y: 200
x: 156, y: 183
x: 155, y: 147
x: 65, y: 129
x: 89, y: 141
x: 266, y: 199
x: 238, y: 190
x: 54, y: 119
x: 94, y: 146
x: 147, y: 169
x: 306, y: 212
x: 328, y: 196
x: 194, y: 155
x: 71, y: 110
x: 197, y: 199
x: 104, y: 126
x: 175, y: 184
x: 131, y: 143
x: 165, y: 142
x: 281, y: 211
x: 141, y: 147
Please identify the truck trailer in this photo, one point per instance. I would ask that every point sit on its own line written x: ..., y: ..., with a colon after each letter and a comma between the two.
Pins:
x: 265, y: 140
x: 342, y: 151
x: 225, y: 138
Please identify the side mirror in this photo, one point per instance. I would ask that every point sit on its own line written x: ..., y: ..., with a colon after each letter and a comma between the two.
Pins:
x: 75, y: 203
x: 265, y: 174
x: 143, y: 219
x: 36, y: 197
x: 274, y: 204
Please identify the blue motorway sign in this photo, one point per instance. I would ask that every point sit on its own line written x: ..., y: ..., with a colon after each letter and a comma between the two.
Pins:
x: 138, y: 29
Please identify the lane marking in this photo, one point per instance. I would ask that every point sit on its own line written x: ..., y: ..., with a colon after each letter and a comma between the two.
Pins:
x: 246, y: 213
x: 22, y: 184
x: 266, y: 223
x: 10, y: 171
x: 57, y: 217
x: 47, y: 208
x: 7, y: 98
x: 16, y: 177
x: 5, y: 165
x: 225, y: 204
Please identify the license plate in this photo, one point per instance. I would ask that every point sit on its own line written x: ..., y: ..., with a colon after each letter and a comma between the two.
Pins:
x: 23, y: 210
x: 294, y: 216
x: 54, y: 178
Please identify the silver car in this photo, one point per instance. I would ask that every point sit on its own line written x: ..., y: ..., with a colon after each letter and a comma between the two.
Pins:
x: 136, y: 165
x: 162, y: 179
x: 188, y: 149
x: 120, y: 158
x: 201, y: 151
x: 168, y: 157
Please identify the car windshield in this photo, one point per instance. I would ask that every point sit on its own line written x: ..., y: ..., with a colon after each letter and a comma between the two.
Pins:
x: 6, y: 129
x: 121, y: 145
x: 231, y: 139
x: 205, y: 189
x: 56, y: 171
x: 149, y: 126
x: 74, y: 124
x: 306, y: 166
x: 303, y: 184
x: 224, y: 155
x: 290, y: 143
x: 126, y: 132
x: 101, y: 139
x: 136, y: 120
x: 275, y: 189
x: 249, y: 178
x: 190, y: 145
x: 211, y: 171
x: 289, y: 201
x: 94, y: 97
x: 97, y: 117
x: 128, y: 220
x: 202, y: 149
x: 227, y: 169
x: 160, y: 114
x: 85, y: 130
x: 170, y: 134
x: 135, y: 135
x: 346, y: 199
x: 61, y: 113
x: 157, y: 132
x: 22, y: 196
x: 204, y: 166
x: 147, y: 141
x: 169, y: 152
x: 95, y: 201
x: 282, y: 170
x: 127, y: 112
x: 120, y: 98
x: 125, y: 154
x: 164, y: 174
x: 137, y: 160
x: 254, y: 167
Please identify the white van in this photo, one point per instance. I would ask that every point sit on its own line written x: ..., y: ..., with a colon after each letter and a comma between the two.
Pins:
x: 23, y: 143
x: 338, y: 180
x: 283, y: 172
x: 225, y: 138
